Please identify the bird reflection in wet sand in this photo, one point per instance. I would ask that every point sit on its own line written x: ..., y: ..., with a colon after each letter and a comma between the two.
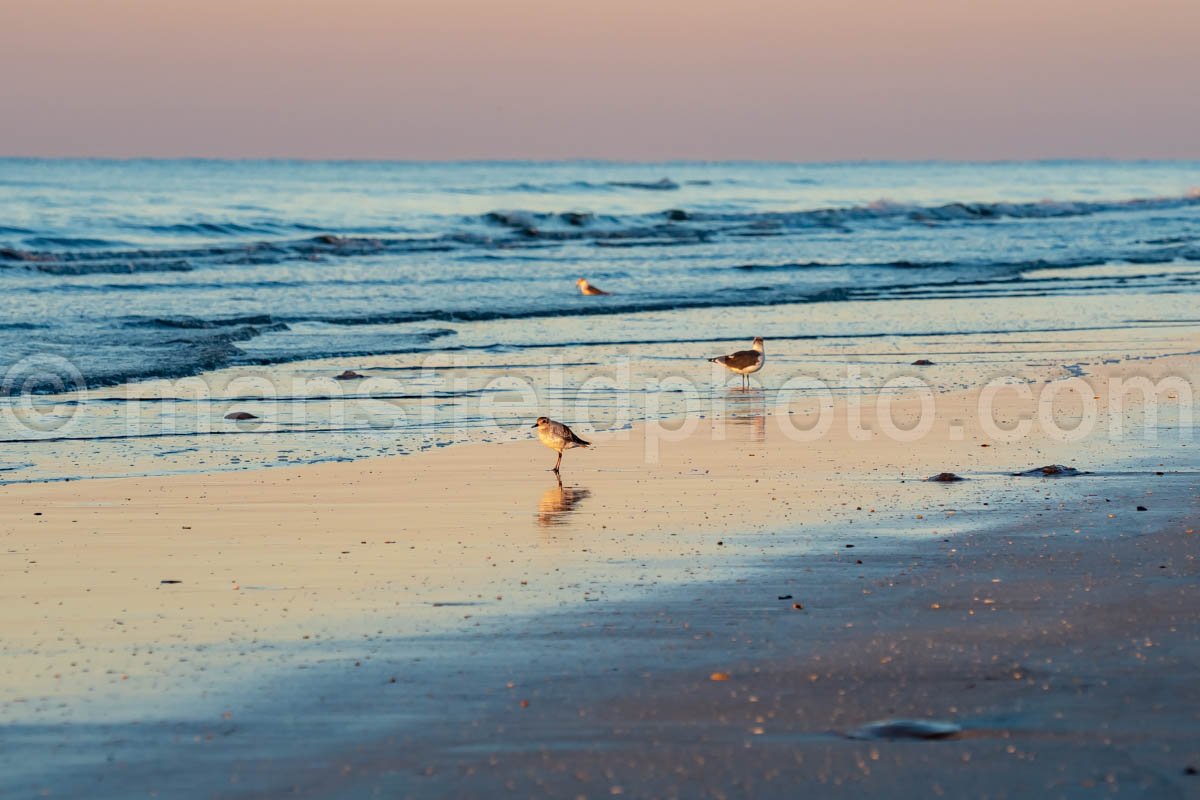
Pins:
x: 558, y: 502
x: 747, y: 410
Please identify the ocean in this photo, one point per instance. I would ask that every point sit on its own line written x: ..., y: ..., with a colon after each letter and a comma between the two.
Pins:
x: 121, y: 281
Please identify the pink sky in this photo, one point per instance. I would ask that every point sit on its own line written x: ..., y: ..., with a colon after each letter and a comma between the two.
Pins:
x: 627, y: 79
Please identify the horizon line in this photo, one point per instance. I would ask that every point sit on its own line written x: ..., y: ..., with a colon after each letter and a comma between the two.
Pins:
x: 613, y: 161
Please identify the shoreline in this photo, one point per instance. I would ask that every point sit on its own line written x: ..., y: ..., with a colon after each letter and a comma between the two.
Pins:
x: 329, y: 585
x: 306, y: 416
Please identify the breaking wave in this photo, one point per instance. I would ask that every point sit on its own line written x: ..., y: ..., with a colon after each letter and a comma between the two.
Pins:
x: 517, y: 229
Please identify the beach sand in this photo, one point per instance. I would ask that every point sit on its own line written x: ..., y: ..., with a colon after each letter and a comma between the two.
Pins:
x: 456, y: 624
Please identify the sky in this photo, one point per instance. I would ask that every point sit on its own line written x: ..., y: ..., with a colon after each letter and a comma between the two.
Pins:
x: 796, y: 80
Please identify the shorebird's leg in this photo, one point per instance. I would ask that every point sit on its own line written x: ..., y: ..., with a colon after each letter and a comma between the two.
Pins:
x: 556, y: 463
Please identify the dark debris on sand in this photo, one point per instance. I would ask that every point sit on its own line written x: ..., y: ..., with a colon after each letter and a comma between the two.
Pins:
x: 919, y: 729
x: 1050, y: 471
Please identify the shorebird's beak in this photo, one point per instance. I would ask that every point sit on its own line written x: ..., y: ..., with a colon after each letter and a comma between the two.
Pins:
x: 534, y: 425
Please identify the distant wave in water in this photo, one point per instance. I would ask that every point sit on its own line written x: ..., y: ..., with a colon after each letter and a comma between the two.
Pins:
x: 953, y: 212
x: 524, y: 229
x: 580, y: 187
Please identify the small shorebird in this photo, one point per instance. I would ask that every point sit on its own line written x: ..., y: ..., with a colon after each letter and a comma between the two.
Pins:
x: 744, y: 362
x: 587, y: 288
x: 558, y: 437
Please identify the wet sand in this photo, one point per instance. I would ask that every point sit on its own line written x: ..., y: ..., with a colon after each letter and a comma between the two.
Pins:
x: 1066, y: 651
x: 454, y: 624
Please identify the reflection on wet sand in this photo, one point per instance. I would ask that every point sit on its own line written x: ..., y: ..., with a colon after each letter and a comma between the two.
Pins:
x: 746, y: 410
x: 557, y: 503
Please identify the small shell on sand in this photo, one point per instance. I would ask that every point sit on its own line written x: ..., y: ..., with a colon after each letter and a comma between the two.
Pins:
x: 945, y: 477
x: 240, y: 415
x: 349, y: 375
